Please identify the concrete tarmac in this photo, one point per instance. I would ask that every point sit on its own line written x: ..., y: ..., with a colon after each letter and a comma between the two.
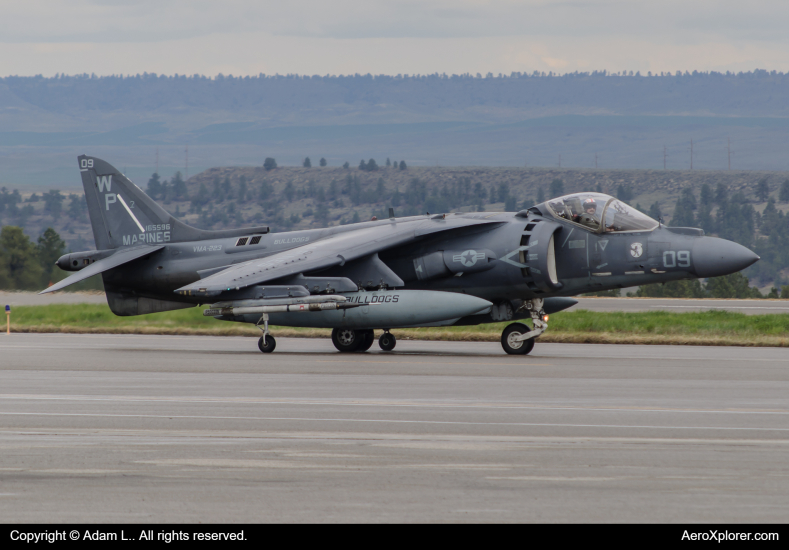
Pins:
x: 680, y: 305
x: 104, y: 428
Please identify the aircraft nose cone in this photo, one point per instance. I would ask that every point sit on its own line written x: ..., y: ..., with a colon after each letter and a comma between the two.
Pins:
x: 716, y: 257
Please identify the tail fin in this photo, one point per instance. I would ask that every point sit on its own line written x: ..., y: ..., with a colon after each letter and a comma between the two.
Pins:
x: 123, y: 215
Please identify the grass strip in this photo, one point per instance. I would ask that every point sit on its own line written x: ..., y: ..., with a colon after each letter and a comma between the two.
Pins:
x: 717, y: 328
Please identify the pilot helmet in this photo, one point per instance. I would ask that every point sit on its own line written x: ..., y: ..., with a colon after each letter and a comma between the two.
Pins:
x: 590, y: 204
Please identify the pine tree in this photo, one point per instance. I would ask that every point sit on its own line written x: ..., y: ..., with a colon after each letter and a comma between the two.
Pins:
x: 50, y: 247
x: 403, y: 165
x: 290, y: 191
x: 307, y: 163
x: 178, y: 187
x: 706, y: 197
x: 53, y: 203
x: 624, y: 194
x: 77, y: 208
x: 269, y: 164
x: 556, y: 188
x: 683, y: 214
x: 762, y: 190
x: 654, y: 211
x: 721, y: 194
x: 154, y: 186
x: 265, y: 192
x: 18, y: 260
x: 242, y: 188
x: 783, y: 196
x: 323, y: 162
x: 332, y: 190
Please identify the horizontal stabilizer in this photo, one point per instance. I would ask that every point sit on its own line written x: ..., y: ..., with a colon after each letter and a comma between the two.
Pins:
x: 119, y: 258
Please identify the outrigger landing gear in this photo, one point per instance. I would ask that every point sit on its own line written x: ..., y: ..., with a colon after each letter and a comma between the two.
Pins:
x: 387, y: 341
x: 266, y: 344
x: 517, y: 338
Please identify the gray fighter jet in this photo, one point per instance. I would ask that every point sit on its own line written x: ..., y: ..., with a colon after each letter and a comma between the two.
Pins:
x: 441, y: 269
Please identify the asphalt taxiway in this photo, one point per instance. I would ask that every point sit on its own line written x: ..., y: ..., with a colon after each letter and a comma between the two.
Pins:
x: 103, y: 428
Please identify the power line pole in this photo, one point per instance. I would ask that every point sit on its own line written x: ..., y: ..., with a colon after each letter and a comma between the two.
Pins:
x: 595, y: 161
x: 186, y: 177
x: 728, y: 151
x: 664, y: 157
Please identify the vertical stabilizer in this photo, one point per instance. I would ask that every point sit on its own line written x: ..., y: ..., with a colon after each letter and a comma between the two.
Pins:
x: 123, y: 215
x: 120, y: 212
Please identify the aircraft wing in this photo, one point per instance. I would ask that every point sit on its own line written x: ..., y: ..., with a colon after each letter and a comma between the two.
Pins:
x: 119, y: 258
x: 328, y: 252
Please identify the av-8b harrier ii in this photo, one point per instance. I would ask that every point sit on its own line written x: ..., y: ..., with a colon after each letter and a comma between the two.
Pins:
x: 441, y: 269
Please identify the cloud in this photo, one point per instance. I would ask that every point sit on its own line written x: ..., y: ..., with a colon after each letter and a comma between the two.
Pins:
x: 405, y: 36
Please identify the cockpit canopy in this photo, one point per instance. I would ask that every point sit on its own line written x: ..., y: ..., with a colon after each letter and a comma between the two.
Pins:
x: 588, y: 209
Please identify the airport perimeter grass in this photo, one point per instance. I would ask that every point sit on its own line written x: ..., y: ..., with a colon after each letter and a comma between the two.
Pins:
x: 720, y: 328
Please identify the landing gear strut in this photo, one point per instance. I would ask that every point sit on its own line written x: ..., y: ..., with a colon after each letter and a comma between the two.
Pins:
x: 266, y: 344
x: 517, y: 338
x: 387, y: 341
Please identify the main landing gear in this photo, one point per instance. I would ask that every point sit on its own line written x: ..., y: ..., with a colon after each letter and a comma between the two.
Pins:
x: 517, y: 338
x: 348, y: 340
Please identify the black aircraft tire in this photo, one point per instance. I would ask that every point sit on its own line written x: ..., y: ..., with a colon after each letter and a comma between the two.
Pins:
x: 267, y: 344
x: 387, y: 341
x: 346, y: 340
x: 513, y: 347
x: 366, y: 340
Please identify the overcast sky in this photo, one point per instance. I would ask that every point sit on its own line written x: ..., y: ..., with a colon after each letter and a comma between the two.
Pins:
x: 242, y: 37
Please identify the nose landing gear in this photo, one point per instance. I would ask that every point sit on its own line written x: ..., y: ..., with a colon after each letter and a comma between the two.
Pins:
x: 517, y: 338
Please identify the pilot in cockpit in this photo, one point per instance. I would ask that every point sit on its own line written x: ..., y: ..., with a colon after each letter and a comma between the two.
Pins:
x: 589, y: 217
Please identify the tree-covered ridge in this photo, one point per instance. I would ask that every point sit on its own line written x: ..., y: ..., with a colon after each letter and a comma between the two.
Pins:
x: 440, y: 96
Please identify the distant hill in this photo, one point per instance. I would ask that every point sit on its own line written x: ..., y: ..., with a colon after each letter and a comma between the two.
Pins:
x: 579, y: 120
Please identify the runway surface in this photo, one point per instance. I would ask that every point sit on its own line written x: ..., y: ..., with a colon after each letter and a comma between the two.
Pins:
x: 102, y: 428
x: 680, y: 305
x: 750, y: 307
